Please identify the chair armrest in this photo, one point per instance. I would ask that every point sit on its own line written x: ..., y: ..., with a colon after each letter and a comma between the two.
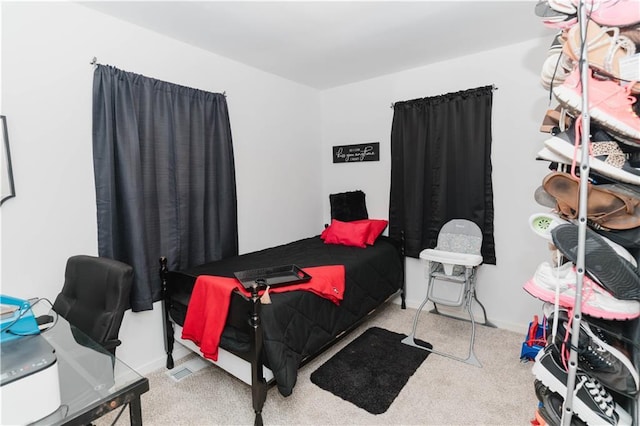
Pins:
x: 111, y: 344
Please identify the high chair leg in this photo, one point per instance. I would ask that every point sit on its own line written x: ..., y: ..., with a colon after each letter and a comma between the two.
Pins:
x: 471, y: 358
x: 411, y: 337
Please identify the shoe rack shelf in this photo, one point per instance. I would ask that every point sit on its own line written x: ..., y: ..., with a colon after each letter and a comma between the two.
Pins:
x: 631, y: 327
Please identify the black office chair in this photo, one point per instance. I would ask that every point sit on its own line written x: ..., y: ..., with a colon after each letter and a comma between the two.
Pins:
x: 95, y: 296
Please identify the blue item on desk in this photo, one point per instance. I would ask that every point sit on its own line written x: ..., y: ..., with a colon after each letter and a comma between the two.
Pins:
x: 17, y: 319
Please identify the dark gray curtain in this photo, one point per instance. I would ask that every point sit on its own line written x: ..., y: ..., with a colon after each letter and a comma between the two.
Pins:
x: 441, y: 168
x: 164, y: 174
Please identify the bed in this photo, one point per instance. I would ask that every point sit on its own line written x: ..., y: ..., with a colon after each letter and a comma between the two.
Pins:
x: 265, y: 344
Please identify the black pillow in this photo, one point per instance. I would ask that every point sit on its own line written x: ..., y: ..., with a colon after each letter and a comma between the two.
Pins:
x: 348, y: 206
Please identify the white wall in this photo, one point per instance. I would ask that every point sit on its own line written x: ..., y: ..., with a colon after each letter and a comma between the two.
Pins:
x: 46, y: 89
x: 362, y: 112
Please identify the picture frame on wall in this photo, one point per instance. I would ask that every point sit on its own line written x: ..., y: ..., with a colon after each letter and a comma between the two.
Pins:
x: 356, y: 153
x: 6, y: 185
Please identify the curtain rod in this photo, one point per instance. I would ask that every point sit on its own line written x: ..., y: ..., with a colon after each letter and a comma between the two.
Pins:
x: 94, y: 61
x: 493, y: 88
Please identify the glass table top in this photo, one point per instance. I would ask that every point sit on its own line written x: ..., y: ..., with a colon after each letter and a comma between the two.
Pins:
x: 90, y: 376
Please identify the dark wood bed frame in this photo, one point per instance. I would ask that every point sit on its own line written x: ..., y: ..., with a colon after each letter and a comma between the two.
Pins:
x: 254, y: 356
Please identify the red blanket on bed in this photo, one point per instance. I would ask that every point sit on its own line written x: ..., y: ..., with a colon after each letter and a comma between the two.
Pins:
x: 211, y: 296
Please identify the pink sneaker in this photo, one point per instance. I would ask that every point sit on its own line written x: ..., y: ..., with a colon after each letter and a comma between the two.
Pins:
x: 596, y: 301
x: 617, y: 13
x: 610, y: 105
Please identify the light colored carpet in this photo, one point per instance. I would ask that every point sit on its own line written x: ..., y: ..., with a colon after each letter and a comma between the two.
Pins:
x: 441, y: 392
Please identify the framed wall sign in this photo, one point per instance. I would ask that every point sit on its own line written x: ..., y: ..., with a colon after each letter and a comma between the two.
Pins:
x: 356, y: 153
x: 6, y: 184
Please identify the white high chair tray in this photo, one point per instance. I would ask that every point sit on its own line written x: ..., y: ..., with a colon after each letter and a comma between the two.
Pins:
x: 451, y: 258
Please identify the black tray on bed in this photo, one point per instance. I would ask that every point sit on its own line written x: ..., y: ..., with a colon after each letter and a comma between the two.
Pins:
x: 273, y: 276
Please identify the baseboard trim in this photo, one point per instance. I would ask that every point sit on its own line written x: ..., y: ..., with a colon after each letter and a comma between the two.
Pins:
x: 179, y: 352
x: 504, y: 325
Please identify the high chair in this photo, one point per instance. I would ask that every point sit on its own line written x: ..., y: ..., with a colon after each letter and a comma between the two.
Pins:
x: 454, y: 261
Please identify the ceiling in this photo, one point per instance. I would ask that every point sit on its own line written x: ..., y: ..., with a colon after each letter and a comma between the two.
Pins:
x: 324, y: 44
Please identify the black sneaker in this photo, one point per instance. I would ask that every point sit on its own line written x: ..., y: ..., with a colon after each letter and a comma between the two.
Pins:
x: 591, y: 401
x: 602, y: 263
x: 598, y: 358
x: 551, y: 408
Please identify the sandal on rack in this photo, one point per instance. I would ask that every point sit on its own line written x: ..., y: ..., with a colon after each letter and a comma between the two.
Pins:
x: 607, y: 208
x: 543, y: 198
x: 556, y: 120
x: 601, y: 261
x: 605, y: 46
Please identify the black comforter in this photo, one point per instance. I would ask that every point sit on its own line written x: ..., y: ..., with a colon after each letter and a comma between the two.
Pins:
x: 298, y: 324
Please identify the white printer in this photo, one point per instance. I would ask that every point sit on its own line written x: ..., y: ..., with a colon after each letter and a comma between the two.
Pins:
x: 29, y: 380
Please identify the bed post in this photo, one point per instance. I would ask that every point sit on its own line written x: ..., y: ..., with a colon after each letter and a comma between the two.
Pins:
x: 403, y: 293
x: 167, y: 325
x: 258, y: 383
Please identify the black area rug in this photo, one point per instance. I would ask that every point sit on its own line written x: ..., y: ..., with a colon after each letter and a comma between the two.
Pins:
x: 371, y: 371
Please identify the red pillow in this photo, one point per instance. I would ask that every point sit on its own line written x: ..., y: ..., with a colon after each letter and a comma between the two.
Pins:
x: 324, y: 233
x: 346, y: 233
x: 376, y: 226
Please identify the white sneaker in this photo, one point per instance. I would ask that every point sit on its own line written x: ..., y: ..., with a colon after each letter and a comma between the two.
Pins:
x: 596, y: 301
x: 543, y: 223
